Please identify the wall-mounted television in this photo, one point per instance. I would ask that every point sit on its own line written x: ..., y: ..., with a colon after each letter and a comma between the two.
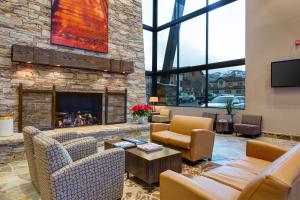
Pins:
x: 285, y: 73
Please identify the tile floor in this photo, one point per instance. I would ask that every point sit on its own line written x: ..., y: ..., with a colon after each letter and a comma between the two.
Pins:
x: 15, y: 180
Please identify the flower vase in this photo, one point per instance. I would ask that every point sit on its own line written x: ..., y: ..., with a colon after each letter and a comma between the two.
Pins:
x: 141, y: 120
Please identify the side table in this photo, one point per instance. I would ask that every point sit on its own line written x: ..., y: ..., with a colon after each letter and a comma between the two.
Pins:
x: 224, y: 127
x: 151, y: 114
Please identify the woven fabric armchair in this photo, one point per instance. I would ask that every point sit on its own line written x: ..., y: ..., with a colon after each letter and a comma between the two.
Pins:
x: 76, y: 147
x: 250, y: 125
x: 97, y: 177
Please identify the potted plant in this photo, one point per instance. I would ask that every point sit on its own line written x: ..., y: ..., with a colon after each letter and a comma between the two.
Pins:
x: 229, y: 109
x: 141, y: 112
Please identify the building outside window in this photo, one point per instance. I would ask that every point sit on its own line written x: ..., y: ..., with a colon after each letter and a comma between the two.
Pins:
x: 194, y: 52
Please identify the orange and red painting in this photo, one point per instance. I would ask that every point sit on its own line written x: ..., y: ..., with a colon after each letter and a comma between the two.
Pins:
x: 80, y: 23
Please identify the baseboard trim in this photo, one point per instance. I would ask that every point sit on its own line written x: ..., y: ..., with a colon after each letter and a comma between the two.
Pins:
x: 281, y: 136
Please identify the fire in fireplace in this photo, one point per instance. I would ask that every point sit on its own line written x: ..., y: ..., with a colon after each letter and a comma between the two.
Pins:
x: 78, y: 109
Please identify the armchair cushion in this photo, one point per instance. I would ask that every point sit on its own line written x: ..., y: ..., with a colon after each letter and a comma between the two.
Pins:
x: 156, y: 127
x: 185, y: 124
x: 162, y: 136
x: 231, y: 176
x: 81, y: 147
x: 165, y: 112
x: 252, y: 119
x: 62, y: 137
x: 252, y: 165
x: 248, y: 129
x: 221, y: 191
x: 182, y: 141
x: 160, y: 118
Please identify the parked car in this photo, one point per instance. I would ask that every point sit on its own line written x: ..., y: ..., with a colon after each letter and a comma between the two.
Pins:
x: 210, y: 96
x: 221, y: 101
x: 185, y: 97
x: 239, y: 102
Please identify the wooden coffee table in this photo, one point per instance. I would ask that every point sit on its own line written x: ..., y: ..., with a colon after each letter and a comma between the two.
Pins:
x: 148, y: 166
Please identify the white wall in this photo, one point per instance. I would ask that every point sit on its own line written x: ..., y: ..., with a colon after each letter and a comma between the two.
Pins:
x: 272, y: 26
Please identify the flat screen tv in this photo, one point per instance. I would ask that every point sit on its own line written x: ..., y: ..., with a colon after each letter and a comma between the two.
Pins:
x: 285, y: 73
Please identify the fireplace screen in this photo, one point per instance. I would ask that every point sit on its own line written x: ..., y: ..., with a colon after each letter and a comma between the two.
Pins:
x: 78, y: 109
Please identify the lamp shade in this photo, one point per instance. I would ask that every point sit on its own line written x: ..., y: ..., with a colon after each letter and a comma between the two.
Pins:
x: 153, y: 99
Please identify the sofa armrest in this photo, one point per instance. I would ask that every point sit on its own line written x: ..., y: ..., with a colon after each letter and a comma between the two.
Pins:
x: 177, y: 187
x: 62, y: 137
x: 263, y: 150
x: 99, y: 176
x: 156, y: 127
x: 202, y: 143
x: 81, y: 147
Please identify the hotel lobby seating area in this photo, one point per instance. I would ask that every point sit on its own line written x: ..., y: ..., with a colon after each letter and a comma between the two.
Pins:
x: 149, y: 100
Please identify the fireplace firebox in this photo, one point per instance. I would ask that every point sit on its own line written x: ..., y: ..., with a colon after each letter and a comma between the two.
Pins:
x: 77, y: 109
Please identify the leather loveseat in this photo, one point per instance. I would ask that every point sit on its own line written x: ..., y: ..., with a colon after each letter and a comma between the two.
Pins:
x: 266, y: 172
x: 193, y: 136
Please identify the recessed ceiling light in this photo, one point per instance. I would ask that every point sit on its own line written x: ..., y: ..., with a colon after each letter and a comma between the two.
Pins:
x: 29, y: 62
x: 58, y: 65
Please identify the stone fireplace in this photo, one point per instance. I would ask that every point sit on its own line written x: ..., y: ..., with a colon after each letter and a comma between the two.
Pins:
x: 27, y: 23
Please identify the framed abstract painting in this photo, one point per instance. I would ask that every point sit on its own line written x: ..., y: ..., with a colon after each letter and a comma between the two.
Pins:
x: 80, y: 24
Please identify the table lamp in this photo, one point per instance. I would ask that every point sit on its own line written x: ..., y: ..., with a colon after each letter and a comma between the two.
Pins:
x: 153, y: 100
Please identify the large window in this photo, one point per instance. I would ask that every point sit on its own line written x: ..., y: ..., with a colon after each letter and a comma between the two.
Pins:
x: 166, y: 58
x: 167, y: 89
x: 192, y: 87
x: 226, y: 85
x: 192, y: 42
x: 147, y: 6
x: 148, y: 50
x: 227, y: 32
x: 198, y: 49
x: 165, y: 11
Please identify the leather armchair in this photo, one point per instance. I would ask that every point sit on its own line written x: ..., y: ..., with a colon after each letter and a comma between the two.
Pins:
x: 193, y: 136
x: 163, y: 117
x: 266, y: 172
x: 96, y: 177
x: 77, y: 147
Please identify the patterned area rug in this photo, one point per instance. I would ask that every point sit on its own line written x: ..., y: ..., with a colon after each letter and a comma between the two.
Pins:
x: 136, y: 189
x: 15, y: 182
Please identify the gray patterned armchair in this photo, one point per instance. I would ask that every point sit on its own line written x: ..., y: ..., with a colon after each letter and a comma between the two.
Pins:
x: 97, y: 177
x: 76, y: 147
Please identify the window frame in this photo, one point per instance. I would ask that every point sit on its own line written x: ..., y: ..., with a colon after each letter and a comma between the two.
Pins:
x: 205, y: 67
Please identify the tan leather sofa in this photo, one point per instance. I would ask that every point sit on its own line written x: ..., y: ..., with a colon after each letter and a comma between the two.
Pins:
x: 266, y: 172
x: 191, y: 135
x: 164, y: 116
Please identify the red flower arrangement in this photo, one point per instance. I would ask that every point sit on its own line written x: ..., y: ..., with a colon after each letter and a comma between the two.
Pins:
x: 141, y: 110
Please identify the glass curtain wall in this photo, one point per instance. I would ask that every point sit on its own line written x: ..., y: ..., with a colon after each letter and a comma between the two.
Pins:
x: 195, y: 52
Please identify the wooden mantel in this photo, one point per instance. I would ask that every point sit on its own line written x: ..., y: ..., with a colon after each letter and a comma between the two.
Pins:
x: 36, y: 55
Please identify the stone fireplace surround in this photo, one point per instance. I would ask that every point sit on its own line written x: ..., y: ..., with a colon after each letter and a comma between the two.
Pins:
x: 57, y: 108
x: 28, y: 23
